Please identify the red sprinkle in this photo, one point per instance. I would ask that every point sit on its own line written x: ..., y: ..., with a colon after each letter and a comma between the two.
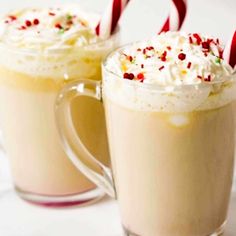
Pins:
x: 210, y: 41
x: 221, y: 52
x: 163, y: 56
x: 22, y: 27
x: 198, y: 38
x: 58, y: 25
x: 12, y: 18
x: 126, y: 75
x: 208, y: 79
x: 206, y: 45
x: 129, y: 76
x: 36, y: 21
x: 169, y: 48
x: 51, y: 14
x: 28, y: 23
x: 182, y: 56
x: 140, y: 76
x: 199, y: 77
x: 189, y: 65
x: 161, y: 68
x: 150, y: 48
x: 129, y: 58
x: 142, y: 66
x: 190, y: 40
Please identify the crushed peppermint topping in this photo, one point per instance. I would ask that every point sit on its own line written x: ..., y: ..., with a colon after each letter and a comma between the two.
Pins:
x: 36, y: 21
x: 28, y: 23
x: 182, y: 56
x: 48, y: 28
x: 172, y: 58
x: 189, y: 65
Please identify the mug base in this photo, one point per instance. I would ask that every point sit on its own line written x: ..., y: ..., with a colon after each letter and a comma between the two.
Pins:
x: 218, y: 232
x: 79, y: 200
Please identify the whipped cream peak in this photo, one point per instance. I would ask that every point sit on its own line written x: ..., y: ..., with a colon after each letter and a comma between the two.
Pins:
x: 49, y: 28
x: 172, y: 58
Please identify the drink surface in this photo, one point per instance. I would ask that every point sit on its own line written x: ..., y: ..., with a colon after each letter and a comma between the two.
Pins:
x: 44, y: 49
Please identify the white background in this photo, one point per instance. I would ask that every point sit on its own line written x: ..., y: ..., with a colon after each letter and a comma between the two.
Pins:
x: 142, y: 19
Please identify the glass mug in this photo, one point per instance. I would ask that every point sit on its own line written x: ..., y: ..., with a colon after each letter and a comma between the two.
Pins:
x: 29, y: 84
x: 172, y: 152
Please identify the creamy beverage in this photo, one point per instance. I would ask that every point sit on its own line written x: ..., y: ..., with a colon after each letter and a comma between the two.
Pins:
x: 41, y: 51
x: 170, y: 121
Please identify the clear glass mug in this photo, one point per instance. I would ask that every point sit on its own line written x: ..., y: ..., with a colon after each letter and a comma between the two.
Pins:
x: 172, y: 152
x: 29, y: 84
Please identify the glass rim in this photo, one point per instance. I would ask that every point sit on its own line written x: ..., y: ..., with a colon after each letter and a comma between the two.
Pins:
x: 225, y: 80
x: 36, y: 52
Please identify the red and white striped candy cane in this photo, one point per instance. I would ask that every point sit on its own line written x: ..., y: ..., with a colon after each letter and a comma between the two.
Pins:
x: 110, y: 18
x: 177, y: 15
x: 230, y: 50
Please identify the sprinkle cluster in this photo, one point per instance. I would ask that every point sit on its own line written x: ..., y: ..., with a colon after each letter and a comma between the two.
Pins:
x: 62, y: 25
x: 43, y: 28
x: 24, y: 25
x: 174, y: 57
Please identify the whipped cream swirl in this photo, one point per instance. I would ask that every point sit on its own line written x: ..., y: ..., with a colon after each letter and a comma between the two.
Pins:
x: 48, y: 28
x: 172, y: 58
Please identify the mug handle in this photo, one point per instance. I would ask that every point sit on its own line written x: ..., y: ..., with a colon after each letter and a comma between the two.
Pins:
x: 76, y: 151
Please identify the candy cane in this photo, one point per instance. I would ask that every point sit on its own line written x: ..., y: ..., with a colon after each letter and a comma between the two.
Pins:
x: 230, y: 51
x: 177, y: 15
x: 110, y: 18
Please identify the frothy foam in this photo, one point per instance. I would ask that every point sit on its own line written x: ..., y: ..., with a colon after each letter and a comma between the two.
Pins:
x: 49, y: 29
x: 173, y: 58
x: 191, y: 76
x: 180, y: 99
x: 57, y: 41
x: 79, y: 62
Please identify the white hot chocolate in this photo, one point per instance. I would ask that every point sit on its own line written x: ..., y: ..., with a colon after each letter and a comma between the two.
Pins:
x: 44, y: 49
x: 170, y: 121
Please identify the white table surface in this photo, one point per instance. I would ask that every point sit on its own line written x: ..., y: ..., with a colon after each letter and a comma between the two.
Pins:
x: 141, y: 20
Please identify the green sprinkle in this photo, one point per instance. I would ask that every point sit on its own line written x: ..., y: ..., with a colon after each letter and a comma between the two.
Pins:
x: 218, y: 60
x: 69, y: 17
x: 61, y: 31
